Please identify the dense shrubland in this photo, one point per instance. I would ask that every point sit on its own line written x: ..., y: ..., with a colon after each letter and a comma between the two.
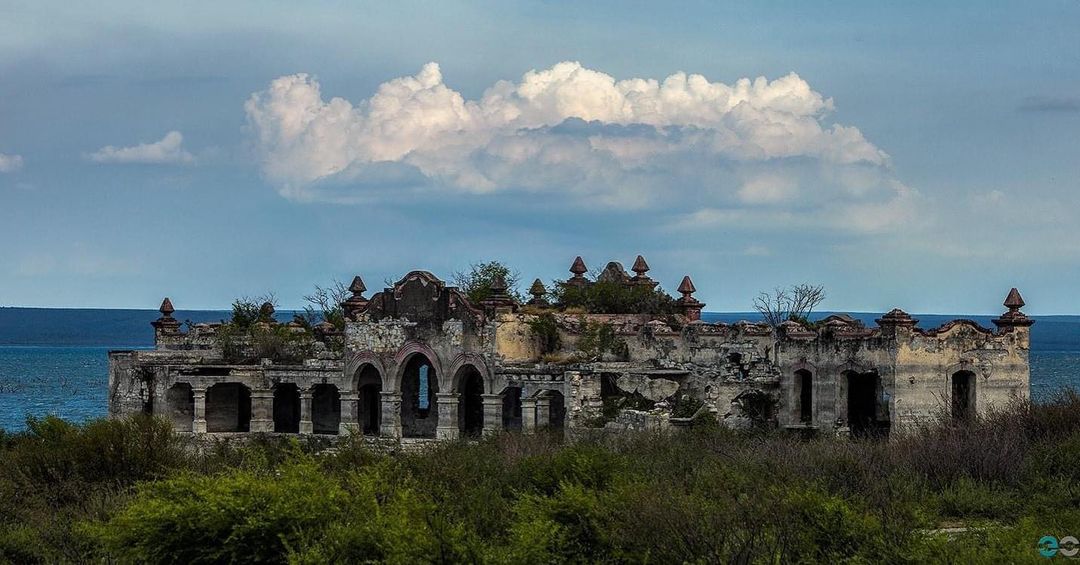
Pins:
x: 130, y: 491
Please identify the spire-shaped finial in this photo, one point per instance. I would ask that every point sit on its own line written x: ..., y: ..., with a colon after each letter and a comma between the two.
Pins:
x: 1014, y: 317
x: 355, y: 303
x: 266, y: 312
x: 166, y: 308
x: 640, y: 266
x: 537, y: 291
x: 690, y: 306
x: 537, y: 288
x: 578, y: 268
x: 357, y: 287
x: 1014, y: 301
x: 686, y: 287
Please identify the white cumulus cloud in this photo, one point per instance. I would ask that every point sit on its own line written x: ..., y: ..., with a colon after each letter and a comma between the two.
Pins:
x: 10, y: 163
x: 580, y: 133
x: 168, y: 150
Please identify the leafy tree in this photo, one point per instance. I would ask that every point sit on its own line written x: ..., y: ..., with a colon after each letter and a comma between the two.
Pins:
x: 324, y: 304
x: 613, y: 297
x: 476, y: 282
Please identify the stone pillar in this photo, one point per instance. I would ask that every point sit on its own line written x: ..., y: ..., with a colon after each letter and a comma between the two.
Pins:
x: 528, y: 415
x: 448, y: 427
x: 350, y: 413
x: 543, y: 411
x: 262, y: 411
x: 493, y: 413
x: 306, y: 427
x: 199, y: 424
x: 390, y: 423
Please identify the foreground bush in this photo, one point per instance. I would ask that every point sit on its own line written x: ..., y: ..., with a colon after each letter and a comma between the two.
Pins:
x: 129, y: 491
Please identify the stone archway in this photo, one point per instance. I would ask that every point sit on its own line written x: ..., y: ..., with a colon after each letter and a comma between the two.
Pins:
x: 286, y: 408
x: 369, y: 400
x: 469, y: 384
x: 419, y: 406
x: 325, y: 409
x: 228, y: 408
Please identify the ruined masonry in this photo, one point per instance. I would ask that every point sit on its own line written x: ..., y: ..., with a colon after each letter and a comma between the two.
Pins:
x: 419, y: 360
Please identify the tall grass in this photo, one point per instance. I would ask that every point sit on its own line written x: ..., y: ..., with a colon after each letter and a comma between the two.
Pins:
x: 131, y: 491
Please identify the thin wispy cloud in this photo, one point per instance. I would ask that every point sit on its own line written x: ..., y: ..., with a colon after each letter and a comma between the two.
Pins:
x: 1050, y: 104
x: 168, y: 150
x: 10, y: 163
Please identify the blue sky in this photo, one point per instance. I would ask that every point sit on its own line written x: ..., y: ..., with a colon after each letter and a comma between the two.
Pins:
x: 922, y: 155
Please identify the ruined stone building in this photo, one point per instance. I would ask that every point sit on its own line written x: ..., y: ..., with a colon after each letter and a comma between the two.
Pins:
x: 419, y: 360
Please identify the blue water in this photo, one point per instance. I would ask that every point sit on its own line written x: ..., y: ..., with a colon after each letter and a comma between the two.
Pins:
x: 54, y: 361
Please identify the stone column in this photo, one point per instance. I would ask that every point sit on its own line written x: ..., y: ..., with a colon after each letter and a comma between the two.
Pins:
x: 528, y: 415
x: 493, y: 413
x: 543, y: 412
x: 390, y: 423
x: 350, y: 413
x: 199, y: 424
x: 448, y: 427
x: 262, y: 411
x: 306, y: 427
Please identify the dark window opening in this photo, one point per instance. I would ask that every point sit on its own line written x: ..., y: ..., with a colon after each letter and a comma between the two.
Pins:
x: 806, y: 396
x: 286, y: 408
x: 963, y: 395
x: 325, y: 409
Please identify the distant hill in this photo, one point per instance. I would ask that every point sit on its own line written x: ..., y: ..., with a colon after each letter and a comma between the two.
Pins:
x: 124, y: 328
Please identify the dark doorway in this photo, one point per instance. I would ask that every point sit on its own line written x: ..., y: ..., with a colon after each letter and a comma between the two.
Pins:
x: 512, y: 409
x: 419, y: 409
x: 963, y: 395
x: 556, y: 410
x: 369, y: 384
x: 862, y: 403
x: 228, y: 408
x: 471, y: 409
x: 286, y: 408
x: 325, y: 409
x: 180, y: 401
x: 805, y: 381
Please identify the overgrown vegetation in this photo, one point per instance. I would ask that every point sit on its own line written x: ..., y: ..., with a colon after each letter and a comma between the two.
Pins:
x: 546, y: 329
x: 598, y: 339
x: 477, y: 280
x: 251, y: 333
x: 130, y: 491
x: 612, y: 297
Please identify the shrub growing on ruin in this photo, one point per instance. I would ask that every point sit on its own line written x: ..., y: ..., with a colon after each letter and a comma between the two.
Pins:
x: 612, y: 297
x: 477, y: 280
x: 546, y: 330
x: 598, y: 339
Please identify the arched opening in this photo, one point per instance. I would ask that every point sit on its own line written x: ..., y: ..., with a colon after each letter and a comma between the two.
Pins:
x: 181, y: 403
x: 419, y: 409
x: 471, y: 409
x: 325, y: 409
x: 228, y: 408
x: 804, y: 382
x: 963, y: 395
x: 862, y: 402
x: 512, y: 408
x: 286, y: 408
x: 369, y: 384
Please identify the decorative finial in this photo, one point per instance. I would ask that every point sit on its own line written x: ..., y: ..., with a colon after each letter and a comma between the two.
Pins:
x: 690, y: 306
x: 686, y: 287
x: 1014, y: 301
x: 1014, y: 317
x: 357, y: 287
x: 266, y: 312
x: 538, y: 292
x: 640, y: 266
x: 578, y: 268
x: 166, y: 308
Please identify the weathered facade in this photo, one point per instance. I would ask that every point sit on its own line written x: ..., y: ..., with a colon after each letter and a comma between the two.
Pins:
x: 419, y: 360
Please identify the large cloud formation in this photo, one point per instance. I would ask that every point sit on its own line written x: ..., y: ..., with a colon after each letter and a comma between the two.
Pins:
x: 715, y: 148
x: 167, y: 150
